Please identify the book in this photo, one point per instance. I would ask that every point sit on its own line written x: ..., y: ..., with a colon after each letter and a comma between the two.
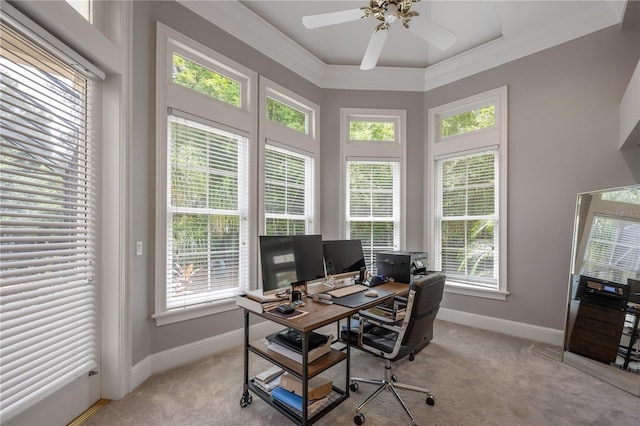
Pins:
x: 268, y: 386
x: 294, y: 401
x: 253, y: 305
x: 313, y: 354
x: 269, y: 374
x: 259, y: 296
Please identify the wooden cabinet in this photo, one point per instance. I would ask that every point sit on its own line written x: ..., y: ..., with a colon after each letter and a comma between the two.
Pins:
x: 596, y: 332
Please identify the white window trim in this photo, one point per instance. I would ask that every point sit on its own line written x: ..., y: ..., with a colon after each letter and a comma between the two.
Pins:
x: 440, y: 147
x: 373, y: 151
x: 171, y: 95
x: 279, y: 135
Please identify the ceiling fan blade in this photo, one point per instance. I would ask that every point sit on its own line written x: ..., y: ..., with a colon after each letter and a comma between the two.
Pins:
x: 432, y: 32
x: 374, y: 49
x: 332, y: 18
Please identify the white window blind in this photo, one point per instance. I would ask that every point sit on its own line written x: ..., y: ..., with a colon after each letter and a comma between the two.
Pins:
x: 373, y: 198
x: 289, y: 181
x: 467, y: 218
x: 47, y: 223
x: 613, y: 249
x: 208, y: 202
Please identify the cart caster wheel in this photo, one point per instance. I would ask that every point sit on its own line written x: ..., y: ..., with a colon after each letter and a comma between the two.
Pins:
x: 245, y: 400
x: 353, y: 387
x: 359, y: 419
x: 394, y: 378
x: 431, y: 400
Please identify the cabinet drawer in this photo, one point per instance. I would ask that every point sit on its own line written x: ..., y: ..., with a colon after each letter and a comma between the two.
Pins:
x: 596, y: 338
x: 591, y: 350
x: 599, y: 327
x: 598, y: 313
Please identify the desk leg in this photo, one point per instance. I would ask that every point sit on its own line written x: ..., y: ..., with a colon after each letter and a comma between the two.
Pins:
x: 632, y: 341
x: 246, y: 398
x: 348, y: 379
x: 305, y: 377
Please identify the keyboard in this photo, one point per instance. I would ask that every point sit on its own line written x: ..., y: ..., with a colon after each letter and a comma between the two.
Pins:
x: 346, y: 291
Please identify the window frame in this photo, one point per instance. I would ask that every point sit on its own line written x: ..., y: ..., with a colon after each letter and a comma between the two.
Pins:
x: 385, y: 151
x: 69, y: 207
x: 600, y: 207
x: 199, y: 107
x: 285, y: 138
x: 458, y: 145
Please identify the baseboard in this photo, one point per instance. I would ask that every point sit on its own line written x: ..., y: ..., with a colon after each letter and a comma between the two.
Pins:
x: 175, y: 357
x: 546, y: 335
x: 184, y: 354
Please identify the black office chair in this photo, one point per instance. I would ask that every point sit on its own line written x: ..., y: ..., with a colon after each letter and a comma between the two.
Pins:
x: 382, y: 334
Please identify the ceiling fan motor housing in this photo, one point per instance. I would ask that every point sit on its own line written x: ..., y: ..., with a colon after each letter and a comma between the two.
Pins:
x: 388, y: 11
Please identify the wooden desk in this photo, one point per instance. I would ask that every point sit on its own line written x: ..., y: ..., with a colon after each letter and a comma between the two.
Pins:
x: 319, y: 315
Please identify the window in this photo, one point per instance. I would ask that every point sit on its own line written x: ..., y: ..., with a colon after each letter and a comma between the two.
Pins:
x: 206, y: 131
x: 203, y: 80
x: 371, y: 131
x: 47, y: 221
x: 468, y: 218
x: 207, y: 217
x: 373, y: 201
x: 467, y: 192
x: 373, y: 148
x: 291, y: 151
x: 613, y: 249
x: 284, y: 114
x: 288, y: 193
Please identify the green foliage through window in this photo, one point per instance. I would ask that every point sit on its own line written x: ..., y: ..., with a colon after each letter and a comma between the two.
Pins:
x: 284, y: 114
x: 469, y: 121
x: 203, y: 80
x: 371, y: 131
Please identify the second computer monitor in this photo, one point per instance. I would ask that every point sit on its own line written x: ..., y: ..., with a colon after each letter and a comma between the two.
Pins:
x: 342, y: 256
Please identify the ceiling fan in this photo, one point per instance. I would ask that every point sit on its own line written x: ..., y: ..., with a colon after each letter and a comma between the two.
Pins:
x: 386, y: 11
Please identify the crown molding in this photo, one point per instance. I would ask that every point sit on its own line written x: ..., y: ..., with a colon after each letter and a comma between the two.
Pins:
x: 504, y: 50
x: 235, y: 19
x: 243, y: 24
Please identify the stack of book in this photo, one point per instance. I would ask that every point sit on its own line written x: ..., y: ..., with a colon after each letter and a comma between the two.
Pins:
x: 268, y: 379
x: 290, y: 400
x: 288, y: 343
x: 258, y: 302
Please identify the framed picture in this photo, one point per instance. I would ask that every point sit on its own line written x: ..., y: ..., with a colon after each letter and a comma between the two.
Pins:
x: 298, y: 290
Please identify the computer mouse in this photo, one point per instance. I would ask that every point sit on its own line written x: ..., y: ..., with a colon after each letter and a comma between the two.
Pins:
x: 371, y: 293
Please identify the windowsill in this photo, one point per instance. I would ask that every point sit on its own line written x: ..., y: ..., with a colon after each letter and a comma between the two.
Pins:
x: 468, y: 290
x: 177, y: 315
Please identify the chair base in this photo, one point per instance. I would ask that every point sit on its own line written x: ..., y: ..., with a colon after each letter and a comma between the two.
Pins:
x: 388, y: 384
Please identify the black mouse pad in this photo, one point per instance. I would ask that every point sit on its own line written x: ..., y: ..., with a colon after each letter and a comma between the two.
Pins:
x: 359, y: 299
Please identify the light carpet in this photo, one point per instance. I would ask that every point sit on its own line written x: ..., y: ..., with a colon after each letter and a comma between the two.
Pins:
x: 478, y: 377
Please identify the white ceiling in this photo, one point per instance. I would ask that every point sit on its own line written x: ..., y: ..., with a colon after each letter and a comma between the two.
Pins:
x: 489, y: 33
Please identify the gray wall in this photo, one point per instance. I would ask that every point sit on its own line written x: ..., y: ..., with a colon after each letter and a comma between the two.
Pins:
x: 563, y: 140
x: 148, y: 339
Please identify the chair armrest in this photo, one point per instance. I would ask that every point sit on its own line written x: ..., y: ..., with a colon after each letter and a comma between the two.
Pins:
x: 380, y: 314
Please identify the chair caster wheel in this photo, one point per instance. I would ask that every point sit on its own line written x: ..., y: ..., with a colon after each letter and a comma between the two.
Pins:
x: 353, y: 387
x: 245, y: 400
x: 412, y: 356
x: 431, y: 400
x: 359, y: 419
x: 394, y: 378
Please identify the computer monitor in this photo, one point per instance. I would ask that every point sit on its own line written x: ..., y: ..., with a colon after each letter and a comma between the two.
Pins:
x: 342, y: 256
x: 287, y: 259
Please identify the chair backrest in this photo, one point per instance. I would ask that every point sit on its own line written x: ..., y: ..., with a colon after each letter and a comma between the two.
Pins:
x: 426, y: 302
x: 634, y: 290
